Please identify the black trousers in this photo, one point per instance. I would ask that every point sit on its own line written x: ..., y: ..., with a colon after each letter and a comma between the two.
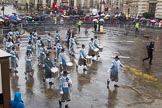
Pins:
x: 79, y: 28
x: 150, y: 56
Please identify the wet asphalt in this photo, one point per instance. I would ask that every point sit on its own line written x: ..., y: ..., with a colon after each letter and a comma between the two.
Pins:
x: 89, y: 89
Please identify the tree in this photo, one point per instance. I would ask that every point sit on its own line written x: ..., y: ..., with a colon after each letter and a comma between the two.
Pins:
x: 148, y: 15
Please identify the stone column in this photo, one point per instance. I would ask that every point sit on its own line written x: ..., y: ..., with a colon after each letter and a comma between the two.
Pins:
x: 158, y: 11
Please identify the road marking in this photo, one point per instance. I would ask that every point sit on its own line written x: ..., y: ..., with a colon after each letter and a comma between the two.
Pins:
x: 121, y: 41
x: 123, y: 57
x: 140, y: 73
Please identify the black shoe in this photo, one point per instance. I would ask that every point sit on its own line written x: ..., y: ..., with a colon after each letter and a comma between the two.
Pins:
x: 150, y: 63
x: 60, y: 103
x: 51, y: 83
x: 116, y: 85
x: 66, y: 106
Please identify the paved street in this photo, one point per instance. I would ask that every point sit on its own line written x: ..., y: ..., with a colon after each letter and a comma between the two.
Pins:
x: 140, y: 83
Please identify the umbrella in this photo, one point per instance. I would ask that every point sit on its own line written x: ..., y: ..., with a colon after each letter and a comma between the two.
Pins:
x: 103, y: 14
x: 160, y: 21
x: 96, y: 16
x: 142, y: 18
x: 12, y: 17
x: 1, y: 20
x: 153, y: 21
x: 29, y: 17
x: 2, y: 17
x: 95, y: 20
x: 102, y: 20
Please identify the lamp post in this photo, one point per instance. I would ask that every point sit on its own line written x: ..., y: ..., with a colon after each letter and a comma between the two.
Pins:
x: 2, y: 9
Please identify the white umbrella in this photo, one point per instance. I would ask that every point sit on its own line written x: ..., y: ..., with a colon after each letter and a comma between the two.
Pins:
x: 95, y: 20
x: 107, y: 15
x: 102, y: 20
x: 103, y: 14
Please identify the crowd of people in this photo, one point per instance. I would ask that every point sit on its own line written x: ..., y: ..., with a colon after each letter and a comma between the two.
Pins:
x: 38, y: 48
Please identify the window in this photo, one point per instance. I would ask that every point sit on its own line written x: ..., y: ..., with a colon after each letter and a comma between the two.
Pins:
x: 152, y: 7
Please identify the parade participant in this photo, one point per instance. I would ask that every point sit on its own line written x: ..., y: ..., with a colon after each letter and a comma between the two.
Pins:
x: 17, y: 36
x: 68, y: 37
x: 5, y: 39
x: 72, y: 45
x: 14, y: 60
x: 82, y: 58
x: 35, y: 33
x: 96, y: 42
x: 34, y: 37
x: 30, y: 47
x: 58, y: 49
x: 48, y: 39
x: 30, y: 37
x: 150, y: 49
x: 91, y: 47
x: 28, y: 63
x: 10, y: 34
x: 17, y: 102
x: 96, y: 45
x: 39, y: 44
x: 42, y: 55
x: 48, y: 65
x: 56, y: 37
x: 114, y: 70
x: 65, y: 85
x: 62, y: 58
x: 9, y: 45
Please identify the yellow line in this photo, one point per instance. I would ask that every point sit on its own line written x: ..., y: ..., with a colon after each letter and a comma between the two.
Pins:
x: 140, y: 73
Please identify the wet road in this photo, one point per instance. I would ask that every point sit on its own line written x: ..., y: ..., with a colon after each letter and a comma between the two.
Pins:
x: 140, y: 84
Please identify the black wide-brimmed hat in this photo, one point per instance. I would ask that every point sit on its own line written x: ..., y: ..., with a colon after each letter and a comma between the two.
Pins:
x: 116, y: 57
x: 65, y: 72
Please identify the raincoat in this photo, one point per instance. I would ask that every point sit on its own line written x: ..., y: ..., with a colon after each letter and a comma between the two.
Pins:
x: 17, y: 35
x: 42, y: 55
x: 14, y: 59
x: 48, y: 65
x: 114, y: 70
x: 82, y: 57
x: 9, y: 46
x: 30, y: 38
x: 65, y: 87
x: 91, y: 47
x: 58, y: 49
x: 48, y: 39
x: 56, y: 38
x: 28, y: 64
x: 17, y: 102
x: 62, y: 58
x: 30, y: 48
x: 96, y: 43
x: 10, y: 34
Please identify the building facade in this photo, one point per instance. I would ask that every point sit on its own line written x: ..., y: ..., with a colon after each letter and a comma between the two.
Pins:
x: 138, y: 7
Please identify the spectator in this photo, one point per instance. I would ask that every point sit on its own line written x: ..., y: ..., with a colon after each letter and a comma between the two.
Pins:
x: 17, y: 102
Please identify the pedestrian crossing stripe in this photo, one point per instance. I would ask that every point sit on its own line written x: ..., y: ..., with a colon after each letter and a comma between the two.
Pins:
x: 140, y: 73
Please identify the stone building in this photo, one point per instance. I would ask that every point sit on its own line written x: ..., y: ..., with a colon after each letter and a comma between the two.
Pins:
x: 138, y: 7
